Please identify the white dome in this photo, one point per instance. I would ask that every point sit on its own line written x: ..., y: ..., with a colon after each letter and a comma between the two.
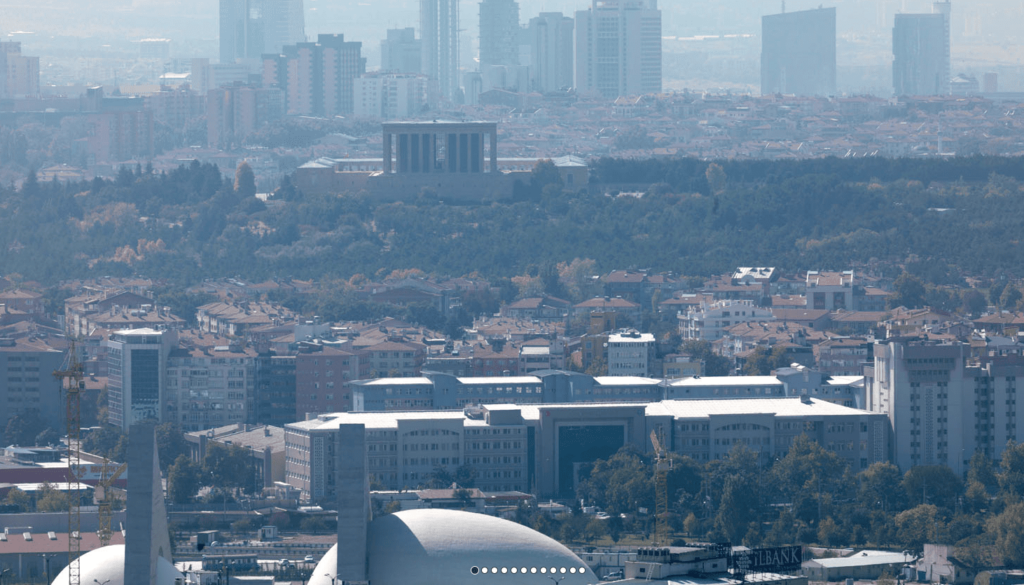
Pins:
x: 106, y: 565
x: 426, y: 547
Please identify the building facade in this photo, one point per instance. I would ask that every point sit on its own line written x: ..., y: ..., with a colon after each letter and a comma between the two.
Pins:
x: 27, y: 381
x: 630, y: 353
x: 551, y: 52
x: 389, y: 96
x: 316, y: 78
x: 210, y: 389
x: 137, y: 362
x: 541, y: 448
x: 920, y: 50
x: 710, y: 320
x: 401, y: 51
x: 439, y: 34
x: 618, y: 48
x: 252, y: 28
x: 499, y: 32
x: 798, y: 53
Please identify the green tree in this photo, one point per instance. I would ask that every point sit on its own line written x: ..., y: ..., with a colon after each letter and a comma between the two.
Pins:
x: 228, y: 466
x: 23, y: 427
x: 47, y: 437
x: 764, y: 359
x: 19, y: 499
x: 916, y: 526
x: 172, y: 444
x: 932, y: 484
x: 982, y: 471
x: 245, y: 181
x: 1007, y: 529
x: 881, y: 487
x: 1010, y: 297
x: 1011, y: 475
x: 808, y: 477
x: 594, y: 529
x: 974, y: 302
x: 183, y: 480
x: 51, y: 500
x: 908, y: 291
x: 313, y: 524
x: 714, y: 364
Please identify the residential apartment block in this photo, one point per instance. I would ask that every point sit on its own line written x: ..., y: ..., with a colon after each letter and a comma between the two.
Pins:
x: 630, y: 353
x: 27, y: 382
x: 798, y: 53
x: 708, y: 321
x: 551, y: 52
x: 945, y: 405
x: 209, y: 389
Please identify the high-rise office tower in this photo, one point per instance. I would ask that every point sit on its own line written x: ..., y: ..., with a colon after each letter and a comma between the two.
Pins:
x: 137, y: 386
x: 618, y: 48
x: 499, y: 32
x: 918, y: 66
x: 251, y: 28
x: 401, y: 51
x: 439, y: 33
x: 920, y: 49
x: 798, y: 52
x: 551, y: 52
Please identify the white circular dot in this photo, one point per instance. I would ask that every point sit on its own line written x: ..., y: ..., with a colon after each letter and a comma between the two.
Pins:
x: 581, y: 570
x: 533, y: 569
x: 523, y: 570
x: 572, y: 570
x: 484, y: 570
x: 514, y: 570
x: 563, y: 569
x: 553, y: 570
x: 543, y: 569
x: 504, y: 570
x: 494, y: 570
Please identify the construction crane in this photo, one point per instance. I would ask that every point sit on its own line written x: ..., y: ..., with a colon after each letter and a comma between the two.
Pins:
x: 662, y: 465
x: 106, y: 498
x: 72, y: 381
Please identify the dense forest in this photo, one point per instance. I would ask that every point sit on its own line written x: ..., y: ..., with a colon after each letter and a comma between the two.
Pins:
x: 696, y: 218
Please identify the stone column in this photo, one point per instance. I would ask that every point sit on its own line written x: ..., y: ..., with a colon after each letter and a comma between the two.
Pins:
x: 387, y: 152
x: 494, y: 151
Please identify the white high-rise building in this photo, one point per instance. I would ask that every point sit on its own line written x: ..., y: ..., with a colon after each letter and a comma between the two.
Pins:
x: 439, y: 35
x: 136, y: 367
x: 551, y: 52
x: 389, y: 96
x: 618, y: 48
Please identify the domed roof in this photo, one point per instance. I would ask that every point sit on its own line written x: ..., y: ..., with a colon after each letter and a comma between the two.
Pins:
x: 425, y: 547
x: 106, y: 565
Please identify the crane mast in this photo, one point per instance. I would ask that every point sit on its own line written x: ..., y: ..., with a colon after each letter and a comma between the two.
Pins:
x: 72, y: 384
x: 662, y: 465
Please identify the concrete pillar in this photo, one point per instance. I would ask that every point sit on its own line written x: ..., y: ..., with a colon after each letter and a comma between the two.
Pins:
x: 147, y: 516
x: 387, y: 152
x: 463, y: 153
x: 476, y: 149
x: 428, y: 153
x: 353, y: 488
x: 403, y: 153
x: 414, y: 153
x: 452, y: 154
x: 494, y: 151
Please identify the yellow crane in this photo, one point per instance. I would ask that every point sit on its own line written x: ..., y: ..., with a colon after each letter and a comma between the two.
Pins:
x: 106, y: 499
x: 72, y: 381
x: 662, y: 465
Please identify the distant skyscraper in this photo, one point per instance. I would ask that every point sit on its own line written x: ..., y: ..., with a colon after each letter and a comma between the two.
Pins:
x: 618, y: 48
x: 798, y: 52
x: 439, y: 33
x: 251, y: 28
x: 401, y: 52
x: 499, y: 32
x: 920, y: 49
x: 918, y: 66
x: 551, y: 52
x: 136, y: 362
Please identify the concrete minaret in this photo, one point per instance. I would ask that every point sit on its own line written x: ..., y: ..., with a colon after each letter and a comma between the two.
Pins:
x: 147, y: 536
x: 353, y: 487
